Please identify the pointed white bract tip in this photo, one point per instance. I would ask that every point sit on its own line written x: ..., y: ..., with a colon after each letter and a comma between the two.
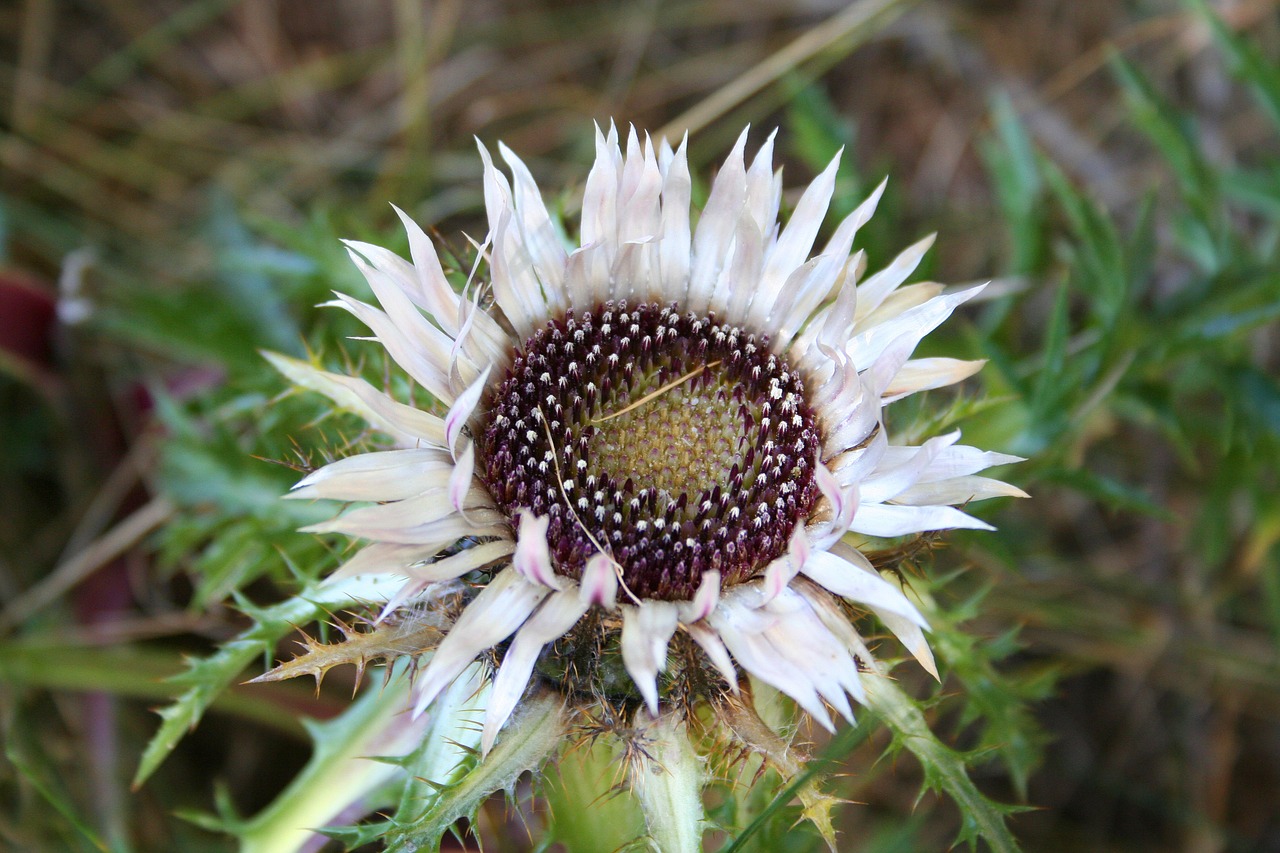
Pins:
x: 487, y: 739
x: 306, y: 482
x: 855, y: 579
x: 821, y: 717
x: 409, y: 224
x: 924, y: 655
x: 647, y: 682
x: 704, y: 600
x: 911, y: 636
x: 420, y: 247
x: 599, y: 584
x: 462, y: 408
x: 776, y: 577
x: 834, y: 163
x: 867, y: 208
x: 407, y: 590
x: 778, y: 574
x: 460, y: 477
x: 646, y: 631
x: 706, y: 636
x: 798, y: 548
x: 857, y: 265
x: 356, y: 258
x: 844, y: 502
x: 532, y: 558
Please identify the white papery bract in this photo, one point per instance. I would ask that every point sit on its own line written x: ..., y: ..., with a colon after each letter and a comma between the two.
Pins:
x: 731, y: 277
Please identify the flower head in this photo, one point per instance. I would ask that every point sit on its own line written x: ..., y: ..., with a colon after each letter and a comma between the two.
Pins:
x: 650, y: 447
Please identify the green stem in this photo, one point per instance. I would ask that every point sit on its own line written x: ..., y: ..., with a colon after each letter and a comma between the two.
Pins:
x: 666, y: 776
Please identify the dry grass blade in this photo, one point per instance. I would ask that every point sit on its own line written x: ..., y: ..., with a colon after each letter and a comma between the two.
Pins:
x: 658, y: 392
x: 843, y: 30
x: 75, y: 569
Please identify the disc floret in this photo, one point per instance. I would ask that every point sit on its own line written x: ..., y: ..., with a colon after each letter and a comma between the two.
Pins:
x: 673, y: 442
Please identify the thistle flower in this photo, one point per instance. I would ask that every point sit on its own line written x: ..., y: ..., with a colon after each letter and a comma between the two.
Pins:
x: 649, y: 447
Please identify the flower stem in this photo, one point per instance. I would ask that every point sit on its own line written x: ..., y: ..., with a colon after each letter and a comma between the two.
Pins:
x: 666, y: 775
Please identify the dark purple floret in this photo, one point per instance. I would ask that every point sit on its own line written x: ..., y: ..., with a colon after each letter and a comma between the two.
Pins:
x: 674, y: 443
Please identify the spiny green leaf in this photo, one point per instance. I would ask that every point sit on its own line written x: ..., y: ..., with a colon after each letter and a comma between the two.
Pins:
x: 993, y: 699
x: 590, y: 773
x: 944, y: 768
x: 401, y: 636
x: 535, y: 730
x: 208, y: 677
x: 803, y: 777
x: 341, y: 775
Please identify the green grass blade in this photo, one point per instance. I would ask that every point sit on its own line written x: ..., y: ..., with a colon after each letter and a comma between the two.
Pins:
x: 1246, y: 62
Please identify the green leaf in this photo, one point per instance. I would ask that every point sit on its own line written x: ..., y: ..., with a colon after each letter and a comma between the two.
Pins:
x: 52, y: 793
x: 1257, y: 396
x: 944, y: 768
x: 535, y: 731
x: 206, y: 678
x: 346, y: 775
x: 1050, y: 384
x: 1111, y: 492
x: 135, y: 672
x: 1256, y: 188
x: 1222, y: 324
x: 1097, y: 256
x: 1246, y: 62
x: 1169, y: 130
x: 805, y: 779
x: 588, y: 773
x: 1011, y: 160
x: 993, y: 698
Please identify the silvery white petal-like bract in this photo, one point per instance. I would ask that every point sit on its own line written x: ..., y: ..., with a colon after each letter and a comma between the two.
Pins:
x: 427, y: 513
